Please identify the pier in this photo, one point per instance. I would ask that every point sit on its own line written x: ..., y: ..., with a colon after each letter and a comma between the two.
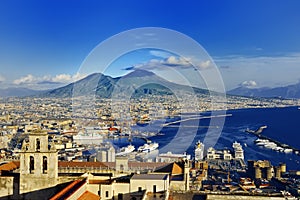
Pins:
x: 193, y: 118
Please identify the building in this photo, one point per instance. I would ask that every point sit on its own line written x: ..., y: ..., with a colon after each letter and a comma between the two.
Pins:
x: 238, y: 150
x: 199, y: 151
x: 107, y: 153
x: 226, y: 154
x: 38, y: 163
x: 39, y: 175
x: 138, y: 186
x: 35, y: 176
x: 262, y: 169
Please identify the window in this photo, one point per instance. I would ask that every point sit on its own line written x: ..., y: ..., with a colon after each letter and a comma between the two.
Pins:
x: 154, y: 188
x: 120, y: 196
x: 38, y: 144
x: 31, y: 164
x: 45, y: 164
x: 106, y: 194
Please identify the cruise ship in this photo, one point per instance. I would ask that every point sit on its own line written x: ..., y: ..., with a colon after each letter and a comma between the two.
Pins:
x: 148, y: 147
x: 126, y: 150
x: 87, y: 136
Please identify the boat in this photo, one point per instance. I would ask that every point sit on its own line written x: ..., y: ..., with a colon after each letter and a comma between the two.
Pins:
x: 279, y: 149
x: 126, y: 150
x: 288, y: 150
x: 146, y: 148
x: 271, y: 145
x: 262, y: 142
x: 88, y: 138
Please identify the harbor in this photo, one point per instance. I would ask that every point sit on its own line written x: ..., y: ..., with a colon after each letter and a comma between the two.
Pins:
x: 271, y: 143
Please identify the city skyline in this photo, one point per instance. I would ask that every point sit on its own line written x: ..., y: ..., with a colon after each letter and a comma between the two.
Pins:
x: 43, y: 45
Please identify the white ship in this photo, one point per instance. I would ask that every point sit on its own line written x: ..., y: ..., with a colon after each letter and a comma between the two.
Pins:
x: 126, y: 150
x: 87, y: 138
x: 148, y: 147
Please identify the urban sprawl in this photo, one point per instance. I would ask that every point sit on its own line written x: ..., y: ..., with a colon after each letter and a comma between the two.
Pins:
x: 58, y: 148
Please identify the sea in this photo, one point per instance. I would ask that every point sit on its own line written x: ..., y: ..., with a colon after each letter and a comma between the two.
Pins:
x: 283, y: 125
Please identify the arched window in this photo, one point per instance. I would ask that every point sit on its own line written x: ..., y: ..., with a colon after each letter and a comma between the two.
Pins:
x: 31, y: 164
x: 38, y: 144
x: 45, y: 164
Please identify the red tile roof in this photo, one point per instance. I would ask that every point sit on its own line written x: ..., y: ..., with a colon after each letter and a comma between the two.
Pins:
x: 145, y: 164
x: 88, y: 196
x: 92, y: 181
x: 137, y: 165
x: 10, y: 166
x: 69, y: 190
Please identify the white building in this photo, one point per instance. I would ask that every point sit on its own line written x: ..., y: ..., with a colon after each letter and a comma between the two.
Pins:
x: 199, y: 151
x: 238, y: 150
x: 139, y: 183
x: 226, y: 154
x: 107, y: 153
x: 213, y: 154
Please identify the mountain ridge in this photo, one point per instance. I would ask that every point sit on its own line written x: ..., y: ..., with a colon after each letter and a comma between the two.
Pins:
x: 287, y: 92
x: 140, y: 81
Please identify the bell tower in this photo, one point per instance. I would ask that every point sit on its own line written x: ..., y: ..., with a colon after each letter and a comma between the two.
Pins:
x: 38, y: 163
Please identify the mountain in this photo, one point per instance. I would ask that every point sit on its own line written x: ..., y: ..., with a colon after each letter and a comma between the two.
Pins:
x: 18, y: 92
x: 287, y: 92
x: 139, y: 82
x: 98, y: 82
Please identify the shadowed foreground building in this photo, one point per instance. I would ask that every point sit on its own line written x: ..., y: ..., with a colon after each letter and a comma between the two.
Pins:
x: 38, y: 164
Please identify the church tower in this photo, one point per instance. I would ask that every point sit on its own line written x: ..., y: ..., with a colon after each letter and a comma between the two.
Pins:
x: 38, y: 163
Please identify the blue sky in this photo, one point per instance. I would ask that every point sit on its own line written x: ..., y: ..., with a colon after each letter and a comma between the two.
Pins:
x: 254, y: 43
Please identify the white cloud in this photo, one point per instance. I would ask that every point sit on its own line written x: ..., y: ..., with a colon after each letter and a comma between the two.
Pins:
x: 57, y: 79
x: 249, y: 84
x: 268, y: 71
x: 66, y: 78
x: 205, y: 64
x: 174, y: 62
x: 25, y: 80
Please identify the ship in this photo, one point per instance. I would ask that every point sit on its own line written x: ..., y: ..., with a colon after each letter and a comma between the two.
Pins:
x: 126, y: 150
x: 87, y: 136
x: 146, y: 148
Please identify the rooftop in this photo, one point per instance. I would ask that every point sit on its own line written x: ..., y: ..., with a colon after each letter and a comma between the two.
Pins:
x: 149, y: 176
x: 10, y: 166
x: 81, y: 164
x: 88, y: 196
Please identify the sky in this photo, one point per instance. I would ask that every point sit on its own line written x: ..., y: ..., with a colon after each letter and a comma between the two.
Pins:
x: 254, y: 43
